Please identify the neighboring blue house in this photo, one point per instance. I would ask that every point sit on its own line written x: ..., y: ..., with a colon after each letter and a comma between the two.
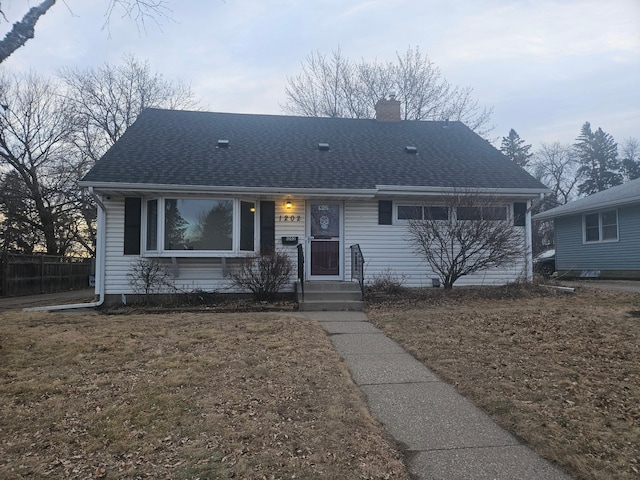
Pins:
x: 599, y: 236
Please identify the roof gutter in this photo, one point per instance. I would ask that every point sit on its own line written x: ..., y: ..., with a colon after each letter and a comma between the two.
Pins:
x: 548, y: 215
x: 409, y: 190
x: 100, y: 264
x: 155, y: 188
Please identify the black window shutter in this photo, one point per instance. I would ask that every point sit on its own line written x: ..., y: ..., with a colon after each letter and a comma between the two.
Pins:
x: 267, y: 226
x: 519, y: 214
x: 132, y: 222
x: 385, y: 212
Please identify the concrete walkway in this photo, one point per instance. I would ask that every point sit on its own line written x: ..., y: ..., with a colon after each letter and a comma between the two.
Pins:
x: 444, y: 435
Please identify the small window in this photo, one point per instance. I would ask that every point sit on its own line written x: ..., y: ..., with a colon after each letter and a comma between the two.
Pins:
x: 152, y: 225
x: 609, y: 225
x: 436, y: 213
x: 482, y: 213
x: 592, y: 228
x: 469, y: 213
x: 409, y: 212
x: 601, y: 227
x: 417, y: 212
x: 494, y: 213
x: 247, y: 226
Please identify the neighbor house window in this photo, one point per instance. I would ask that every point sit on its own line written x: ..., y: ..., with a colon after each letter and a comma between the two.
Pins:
x: 199, y: 225
x: 601, y: 227
x: 418, y: 212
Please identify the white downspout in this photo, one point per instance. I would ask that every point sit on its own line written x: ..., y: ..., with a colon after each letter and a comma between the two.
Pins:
x: 100, y: 263
x: 528, y: 243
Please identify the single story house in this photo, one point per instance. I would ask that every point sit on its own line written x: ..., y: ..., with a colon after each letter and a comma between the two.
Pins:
x: 198, y: 190
x: 599, y: 236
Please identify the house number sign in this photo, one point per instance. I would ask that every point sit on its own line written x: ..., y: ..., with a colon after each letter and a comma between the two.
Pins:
x: 289, y: 218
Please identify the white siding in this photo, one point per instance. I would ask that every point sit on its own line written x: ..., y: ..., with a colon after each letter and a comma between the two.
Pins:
x: 192, y: 274
x: 386, y: 249
x: 287, y: 228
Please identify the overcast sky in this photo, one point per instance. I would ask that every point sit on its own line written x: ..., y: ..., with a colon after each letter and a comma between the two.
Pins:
x: 546, y: 66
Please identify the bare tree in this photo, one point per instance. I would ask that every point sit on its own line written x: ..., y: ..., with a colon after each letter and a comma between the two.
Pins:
x: 35, y: 128
x: 334, y: 86
x: 466, y: 233
x: 140, y: 11
x: 108, y: 99
x: 630, y: 153
x: 556, y: 165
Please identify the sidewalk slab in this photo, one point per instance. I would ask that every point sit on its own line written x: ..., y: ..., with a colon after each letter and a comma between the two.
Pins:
x: 513, y: 462
x: 333, y: 328
x: 358, y: 343
x: 375, y: 369
x: 433, y: 416
x: 445, y: 435
x: 338, y: 316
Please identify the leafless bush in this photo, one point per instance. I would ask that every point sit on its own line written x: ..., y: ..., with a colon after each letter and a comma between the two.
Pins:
x: 388, y: 281
x: 263, y: 275
x: 465, y: 233
x: 149, y: 277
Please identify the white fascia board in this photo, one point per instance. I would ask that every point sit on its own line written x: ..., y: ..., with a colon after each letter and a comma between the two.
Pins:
x: 398, y: 190
x: 148, y: 188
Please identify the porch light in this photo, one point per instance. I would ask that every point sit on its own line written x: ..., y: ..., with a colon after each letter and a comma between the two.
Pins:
x: 288, y: 204
x: 252, y: 209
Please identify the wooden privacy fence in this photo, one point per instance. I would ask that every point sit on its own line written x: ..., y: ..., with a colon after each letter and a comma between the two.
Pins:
x: 35, y: 274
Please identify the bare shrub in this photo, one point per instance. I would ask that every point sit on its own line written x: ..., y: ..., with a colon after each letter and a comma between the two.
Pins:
x: 263, y: 275
x: 464, y: 233
x: 149, y: 277
x: 388, y: 281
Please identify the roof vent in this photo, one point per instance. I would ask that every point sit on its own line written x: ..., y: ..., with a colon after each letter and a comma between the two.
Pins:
x: 223, y: 143
x: 323, y: 147
x: 411, y: 149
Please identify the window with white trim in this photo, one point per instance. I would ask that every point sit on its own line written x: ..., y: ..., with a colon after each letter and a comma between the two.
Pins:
x: 601, y: 227
x: 204, y: 225
x: 420, y: 212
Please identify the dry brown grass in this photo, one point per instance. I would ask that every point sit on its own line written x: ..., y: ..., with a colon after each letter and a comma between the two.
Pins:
x: 181, y: 396
x: 562, y: 371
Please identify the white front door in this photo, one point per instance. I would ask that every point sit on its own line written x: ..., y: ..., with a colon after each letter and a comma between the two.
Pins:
x: 325, y: 245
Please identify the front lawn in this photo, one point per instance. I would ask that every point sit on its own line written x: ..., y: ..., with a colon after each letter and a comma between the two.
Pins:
x: 181, y: 396
x: 562, y: 371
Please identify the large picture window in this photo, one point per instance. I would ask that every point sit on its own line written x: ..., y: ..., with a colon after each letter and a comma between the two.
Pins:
x: 199, y: 225
x: 601, y: 227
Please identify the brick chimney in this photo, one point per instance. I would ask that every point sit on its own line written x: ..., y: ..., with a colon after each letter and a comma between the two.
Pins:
x: 388, y: 110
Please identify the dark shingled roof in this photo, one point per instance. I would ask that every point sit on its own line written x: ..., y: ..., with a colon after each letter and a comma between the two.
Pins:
x: 168, y: 147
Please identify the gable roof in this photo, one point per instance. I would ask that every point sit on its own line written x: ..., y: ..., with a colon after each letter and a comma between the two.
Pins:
x: 625, y: 194
x: 180, y: 149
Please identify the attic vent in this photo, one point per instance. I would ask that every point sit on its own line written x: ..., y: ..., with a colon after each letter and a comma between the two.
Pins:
x: 323, y: 147
x: 411, y: 149
x: 223, y: 143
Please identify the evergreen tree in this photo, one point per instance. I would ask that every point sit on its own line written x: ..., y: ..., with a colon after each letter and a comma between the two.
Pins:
x: 598, y: 156
x: 515, y: 149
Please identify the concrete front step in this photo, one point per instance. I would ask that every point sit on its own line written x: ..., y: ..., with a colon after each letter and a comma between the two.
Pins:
x: 330, y: 305
x: 330, y: 296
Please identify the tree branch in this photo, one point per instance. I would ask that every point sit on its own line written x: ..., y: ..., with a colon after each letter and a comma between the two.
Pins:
x: 23, y: 30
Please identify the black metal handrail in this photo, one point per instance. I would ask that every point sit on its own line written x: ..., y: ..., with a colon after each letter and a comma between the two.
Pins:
x: 301, y: 268
x: 357, y: 266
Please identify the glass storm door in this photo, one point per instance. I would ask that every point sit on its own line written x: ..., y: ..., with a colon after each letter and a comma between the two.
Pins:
x: 325, y: 241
